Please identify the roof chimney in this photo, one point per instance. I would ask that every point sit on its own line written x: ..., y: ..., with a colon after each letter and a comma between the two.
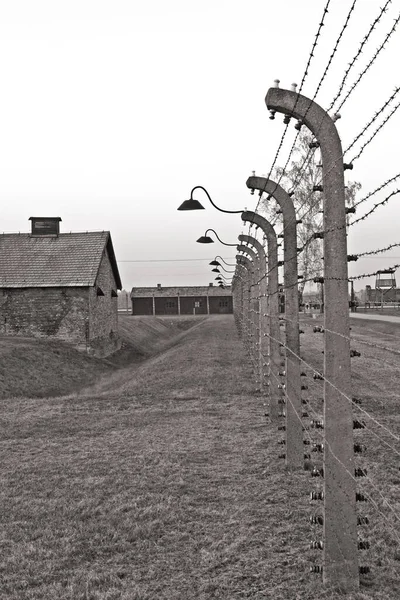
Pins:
x: 45, y: 226
x: 210, y: 285
x: 159, y: 286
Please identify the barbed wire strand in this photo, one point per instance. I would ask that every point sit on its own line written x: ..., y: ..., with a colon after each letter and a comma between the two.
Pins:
x: 370, y: 63
x: 378, y: 189
x: 374, y: 117
x: 311, y: 55
x: 358, y: 53
x: 385, y: 500
x: 393, y: 435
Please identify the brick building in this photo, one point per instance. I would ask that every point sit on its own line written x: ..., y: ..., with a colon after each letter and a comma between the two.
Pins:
x: 60, y: 285
x: 199, y: 300
x: 378, y: 296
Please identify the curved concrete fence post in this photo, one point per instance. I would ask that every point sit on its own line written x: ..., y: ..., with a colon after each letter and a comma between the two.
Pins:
x: 253, y: 312
x: 294, y: 429
x: 248, y: 267
x: 261, y: 297
x: 340, y: 520
x: 273, y: 300
x: 237, y: 294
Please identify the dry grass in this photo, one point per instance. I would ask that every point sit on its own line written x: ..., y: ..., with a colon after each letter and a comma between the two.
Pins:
x: 38, y: 368
x: 165, y: 486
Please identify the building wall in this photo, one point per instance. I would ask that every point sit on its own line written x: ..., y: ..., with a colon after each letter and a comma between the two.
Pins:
x: 166, y: 306
x: 378, y: 296
x: 221, y: 304
x: 103, y: 312
x: 193, y: 305
x: 193, y: 300
x: 62, y: 313
x: 142, y: 306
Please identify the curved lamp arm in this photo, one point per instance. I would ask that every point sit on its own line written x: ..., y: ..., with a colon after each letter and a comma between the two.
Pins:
x: 205, y: 239
x: 226, y: 270
x: 228, y: 264
x: 200, y: 187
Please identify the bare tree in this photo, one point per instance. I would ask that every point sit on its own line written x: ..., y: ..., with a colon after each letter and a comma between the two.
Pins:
x: 302, y: 176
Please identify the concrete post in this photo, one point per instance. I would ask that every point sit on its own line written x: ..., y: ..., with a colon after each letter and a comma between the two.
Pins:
x: 248, y: 276
x: 208, y: 304
x: 294, y: 429
x: 237, y: 296
x: 340, y: 521
x: 274, y: 330
x: 154, y: 306
x: 261, y: 283
x: 179, y: 304
x: 253, y: 307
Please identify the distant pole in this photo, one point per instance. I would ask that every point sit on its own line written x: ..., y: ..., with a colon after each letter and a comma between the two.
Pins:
x: 248, y: 277
x: 273, y: 309
x: 262, y: 306
x: 253, y: 309
x: 294, y: 429
x: 340, y: 519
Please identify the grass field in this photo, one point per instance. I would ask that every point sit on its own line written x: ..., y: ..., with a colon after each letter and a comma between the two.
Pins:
x: 161, y: 481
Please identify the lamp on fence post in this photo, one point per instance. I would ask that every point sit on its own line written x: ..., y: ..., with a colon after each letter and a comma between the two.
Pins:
x: 340, y: 520
x: 273, y: 329
x: 260, y: 297
x: 294, y: 430
x: 206, y: 239
x: 193, y: 204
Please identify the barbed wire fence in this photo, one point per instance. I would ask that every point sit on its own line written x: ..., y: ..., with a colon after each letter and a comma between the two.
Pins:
x: 361, y: 477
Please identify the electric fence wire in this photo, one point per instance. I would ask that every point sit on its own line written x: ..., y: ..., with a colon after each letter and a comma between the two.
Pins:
x: 323, y: 279
x: 350, y: 339
x: 378, y: 189
x: 358, y: 53
x: 385, y: 500
x: 392, y: 112
x: 351, y: 400
x: 362, y: 218
x: 370, y: 63
x: 374, y: 208
x: 374, y: 117
x: 355, y: 85
x: 311, y: 55
x: 324, y: 74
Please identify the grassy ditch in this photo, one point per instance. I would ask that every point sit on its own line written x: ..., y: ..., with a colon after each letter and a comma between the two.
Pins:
x: 167, y: 485
x: 40, y: 368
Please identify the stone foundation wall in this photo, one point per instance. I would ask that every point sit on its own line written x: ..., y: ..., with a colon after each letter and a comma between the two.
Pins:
x: 62, y: 313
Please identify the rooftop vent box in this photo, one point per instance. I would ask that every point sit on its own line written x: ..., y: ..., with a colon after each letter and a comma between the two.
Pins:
x: 45, y: 226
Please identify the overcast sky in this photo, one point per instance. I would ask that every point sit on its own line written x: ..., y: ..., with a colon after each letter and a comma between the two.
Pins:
x: 112, y: 110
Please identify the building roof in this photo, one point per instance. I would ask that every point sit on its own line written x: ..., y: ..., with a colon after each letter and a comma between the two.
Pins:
x: 66, y: 260
x: 168, y: 292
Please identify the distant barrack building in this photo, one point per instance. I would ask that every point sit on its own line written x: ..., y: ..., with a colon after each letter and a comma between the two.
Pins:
x: 198, y: 300
x: 60, y: 285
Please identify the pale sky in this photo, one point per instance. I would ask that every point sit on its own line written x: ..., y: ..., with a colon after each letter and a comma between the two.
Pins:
x: 112, y: 110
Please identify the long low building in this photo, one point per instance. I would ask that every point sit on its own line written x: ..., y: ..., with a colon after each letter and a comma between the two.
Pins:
x: 191, y: 300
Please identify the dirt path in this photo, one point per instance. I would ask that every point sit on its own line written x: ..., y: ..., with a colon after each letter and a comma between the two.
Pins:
x: 373, y: 317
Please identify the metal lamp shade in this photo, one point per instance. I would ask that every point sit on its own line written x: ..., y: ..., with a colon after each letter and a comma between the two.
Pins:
x: 191, y: 205
x: 205, y: 239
